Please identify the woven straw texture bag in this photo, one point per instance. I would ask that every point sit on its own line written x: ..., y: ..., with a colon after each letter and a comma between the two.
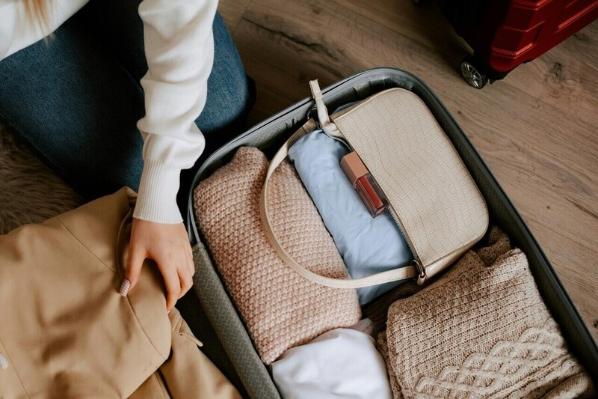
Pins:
x: 280, y: 308
x: 431, y: 195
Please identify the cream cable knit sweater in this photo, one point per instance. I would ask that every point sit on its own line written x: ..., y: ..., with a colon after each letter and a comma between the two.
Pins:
x: 179, y: 49
x: 480, y: 331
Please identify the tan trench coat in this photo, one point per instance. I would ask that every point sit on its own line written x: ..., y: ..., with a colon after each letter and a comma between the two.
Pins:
x: 65, y: 332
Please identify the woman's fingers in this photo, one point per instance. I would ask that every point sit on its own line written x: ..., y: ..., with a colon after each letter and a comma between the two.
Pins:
x: 186, y: 269
x: 190, y: 263
x: 134, y: 264
x: 168, y: 246
x: 185, y: 279
x: 171, y: 281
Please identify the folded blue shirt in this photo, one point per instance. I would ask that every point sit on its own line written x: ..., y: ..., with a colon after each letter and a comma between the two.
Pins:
x: 368, y: 245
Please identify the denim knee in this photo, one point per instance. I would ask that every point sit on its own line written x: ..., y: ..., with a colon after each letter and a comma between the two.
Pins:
x: 228, y: 88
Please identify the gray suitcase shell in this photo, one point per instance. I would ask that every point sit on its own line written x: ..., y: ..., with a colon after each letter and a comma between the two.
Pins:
x: 269, y: 134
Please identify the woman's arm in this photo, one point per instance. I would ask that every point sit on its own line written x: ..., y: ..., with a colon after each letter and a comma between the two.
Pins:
x: 179, y: 49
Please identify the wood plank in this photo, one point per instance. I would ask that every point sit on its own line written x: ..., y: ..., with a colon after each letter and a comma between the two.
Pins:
x: 232, y: 11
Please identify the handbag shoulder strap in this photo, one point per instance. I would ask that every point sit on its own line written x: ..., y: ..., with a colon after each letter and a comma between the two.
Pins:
x: 402, y: 273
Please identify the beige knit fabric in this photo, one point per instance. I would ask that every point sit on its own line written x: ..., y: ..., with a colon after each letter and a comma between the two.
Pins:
x: 382, y: 346
x: 481, y: 331
x: 280, y: 308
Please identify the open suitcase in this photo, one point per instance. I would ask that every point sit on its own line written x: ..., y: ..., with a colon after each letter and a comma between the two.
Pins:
x: 268, y: 135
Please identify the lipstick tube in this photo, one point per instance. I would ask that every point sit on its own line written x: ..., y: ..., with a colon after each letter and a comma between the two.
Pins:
x: 364, y: 183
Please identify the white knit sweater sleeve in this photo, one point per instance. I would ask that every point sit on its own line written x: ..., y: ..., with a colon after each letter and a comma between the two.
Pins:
x: 179, y: 48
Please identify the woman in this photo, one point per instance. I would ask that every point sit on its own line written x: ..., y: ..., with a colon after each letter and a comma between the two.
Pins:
x: 82, y: 96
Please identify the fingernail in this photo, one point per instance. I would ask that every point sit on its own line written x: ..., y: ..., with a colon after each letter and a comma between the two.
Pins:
x: 124, y: 287
x: 3, y: 362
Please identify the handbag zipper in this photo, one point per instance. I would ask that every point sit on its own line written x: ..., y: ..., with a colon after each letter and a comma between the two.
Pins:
x: 421, y: 271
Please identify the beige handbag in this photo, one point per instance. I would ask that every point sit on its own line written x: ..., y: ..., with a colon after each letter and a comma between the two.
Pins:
x: 431, y: 194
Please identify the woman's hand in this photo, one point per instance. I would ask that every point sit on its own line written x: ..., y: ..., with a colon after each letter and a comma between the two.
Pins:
x: 168, y: 246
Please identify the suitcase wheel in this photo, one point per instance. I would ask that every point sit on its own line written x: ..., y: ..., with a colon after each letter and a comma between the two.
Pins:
x: 472, y: 73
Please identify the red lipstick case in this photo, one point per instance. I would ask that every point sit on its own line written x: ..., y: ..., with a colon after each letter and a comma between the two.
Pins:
x: 364, y: 183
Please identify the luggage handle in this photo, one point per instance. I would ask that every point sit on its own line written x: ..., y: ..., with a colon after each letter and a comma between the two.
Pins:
x: 402, y: 273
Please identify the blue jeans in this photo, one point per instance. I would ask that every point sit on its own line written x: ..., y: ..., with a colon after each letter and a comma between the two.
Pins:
x: 76, y: 98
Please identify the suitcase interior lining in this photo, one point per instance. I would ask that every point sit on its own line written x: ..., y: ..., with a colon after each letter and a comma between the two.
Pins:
x: 271, y: 133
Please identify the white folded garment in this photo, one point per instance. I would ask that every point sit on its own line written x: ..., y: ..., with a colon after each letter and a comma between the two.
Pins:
x: 341, y: 363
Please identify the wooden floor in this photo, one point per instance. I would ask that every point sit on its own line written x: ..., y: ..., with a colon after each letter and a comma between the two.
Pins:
x: 537, y: 130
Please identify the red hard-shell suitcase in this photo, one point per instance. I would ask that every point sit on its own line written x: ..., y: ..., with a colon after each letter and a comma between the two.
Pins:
x: 507, y: 33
